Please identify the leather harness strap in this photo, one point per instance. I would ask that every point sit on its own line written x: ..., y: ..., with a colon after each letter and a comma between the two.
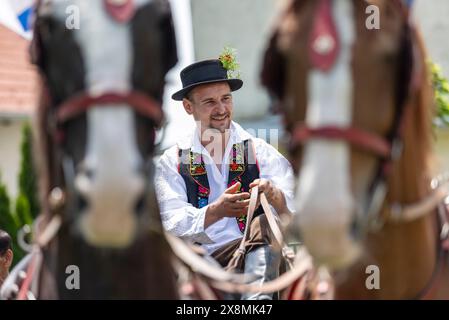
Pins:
x: 120, y: 10
x: 357, y: 137
x: 140, y: 102
x: 299, y: 265
x: 431, y: 288
x: 249, y: 218
x: 218, y: 278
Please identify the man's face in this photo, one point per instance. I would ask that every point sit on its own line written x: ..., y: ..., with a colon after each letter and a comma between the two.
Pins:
x: 211, y: 104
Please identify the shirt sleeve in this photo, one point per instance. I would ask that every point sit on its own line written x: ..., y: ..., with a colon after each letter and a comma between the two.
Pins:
x: 276, y: 168
x: 179, y: 217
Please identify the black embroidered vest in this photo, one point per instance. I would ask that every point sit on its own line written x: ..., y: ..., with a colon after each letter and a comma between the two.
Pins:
x: 243, y: 168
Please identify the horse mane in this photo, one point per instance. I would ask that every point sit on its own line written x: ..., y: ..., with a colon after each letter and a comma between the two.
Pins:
x: 412, y: 173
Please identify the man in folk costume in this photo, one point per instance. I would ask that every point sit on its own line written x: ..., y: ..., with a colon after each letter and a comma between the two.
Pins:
x: 203, y: 183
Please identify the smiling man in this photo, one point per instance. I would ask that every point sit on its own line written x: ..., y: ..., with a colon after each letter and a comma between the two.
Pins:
x: 203, y: 183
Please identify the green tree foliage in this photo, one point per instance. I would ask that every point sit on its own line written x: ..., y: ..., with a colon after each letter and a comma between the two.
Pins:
x: 27, y: 175
x: 441, y: 88
x: 9, y: 222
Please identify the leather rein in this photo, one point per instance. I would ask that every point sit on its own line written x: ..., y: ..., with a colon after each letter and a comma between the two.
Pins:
x: 300, y: 265
x: 148, y: 107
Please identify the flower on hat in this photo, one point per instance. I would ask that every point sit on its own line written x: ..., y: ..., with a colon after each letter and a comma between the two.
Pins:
x: 229, y: 61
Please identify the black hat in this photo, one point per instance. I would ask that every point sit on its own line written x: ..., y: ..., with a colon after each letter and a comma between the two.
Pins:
x: 203, y: 72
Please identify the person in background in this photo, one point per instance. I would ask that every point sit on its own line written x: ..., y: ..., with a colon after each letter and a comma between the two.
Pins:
x: 6, y: 255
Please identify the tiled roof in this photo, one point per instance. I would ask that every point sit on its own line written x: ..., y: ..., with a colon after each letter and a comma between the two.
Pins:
x: 18, y: 77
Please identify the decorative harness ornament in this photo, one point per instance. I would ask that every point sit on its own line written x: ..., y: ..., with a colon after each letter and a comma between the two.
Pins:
x: 324, y: 44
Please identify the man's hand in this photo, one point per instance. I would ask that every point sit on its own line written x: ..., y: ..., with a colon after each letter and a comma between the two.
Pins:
x: 274, y: 196
x: 229, y: 204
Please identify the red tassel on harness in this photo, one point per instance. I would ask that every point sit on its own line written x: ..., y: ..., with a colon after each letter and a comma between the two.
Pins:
x: 324, y: 44
x: 120, y: 10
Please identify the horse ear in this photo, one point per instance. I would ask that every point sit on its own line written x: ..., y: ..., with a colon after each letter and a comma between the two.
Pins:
x: 274, y: 69
x: 170, y: 48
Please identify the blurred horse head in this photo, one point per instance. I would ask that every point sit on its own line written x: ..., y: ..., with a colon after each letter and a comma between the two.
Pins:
x: 357, y: 104
x: 103, y: 65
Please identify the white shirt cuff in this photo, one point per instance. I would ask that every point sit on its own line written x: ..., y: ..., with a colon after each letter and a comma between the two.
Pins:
x: 200, y: 235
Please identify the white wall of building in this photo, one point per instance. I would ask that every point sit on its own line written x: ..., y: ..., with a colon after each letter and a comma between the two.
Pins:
x: 243, y: 25
x: 10, y: 139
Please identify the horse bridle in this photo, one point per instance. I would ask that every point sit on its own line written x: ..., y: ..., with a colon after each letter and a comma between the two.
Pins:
x: 387, y: 149
x: 143, y: 104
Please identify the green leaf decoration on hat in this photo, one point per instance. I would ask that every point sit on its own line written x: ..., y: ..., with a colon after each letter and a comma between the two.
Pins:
x: 229, y: 61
